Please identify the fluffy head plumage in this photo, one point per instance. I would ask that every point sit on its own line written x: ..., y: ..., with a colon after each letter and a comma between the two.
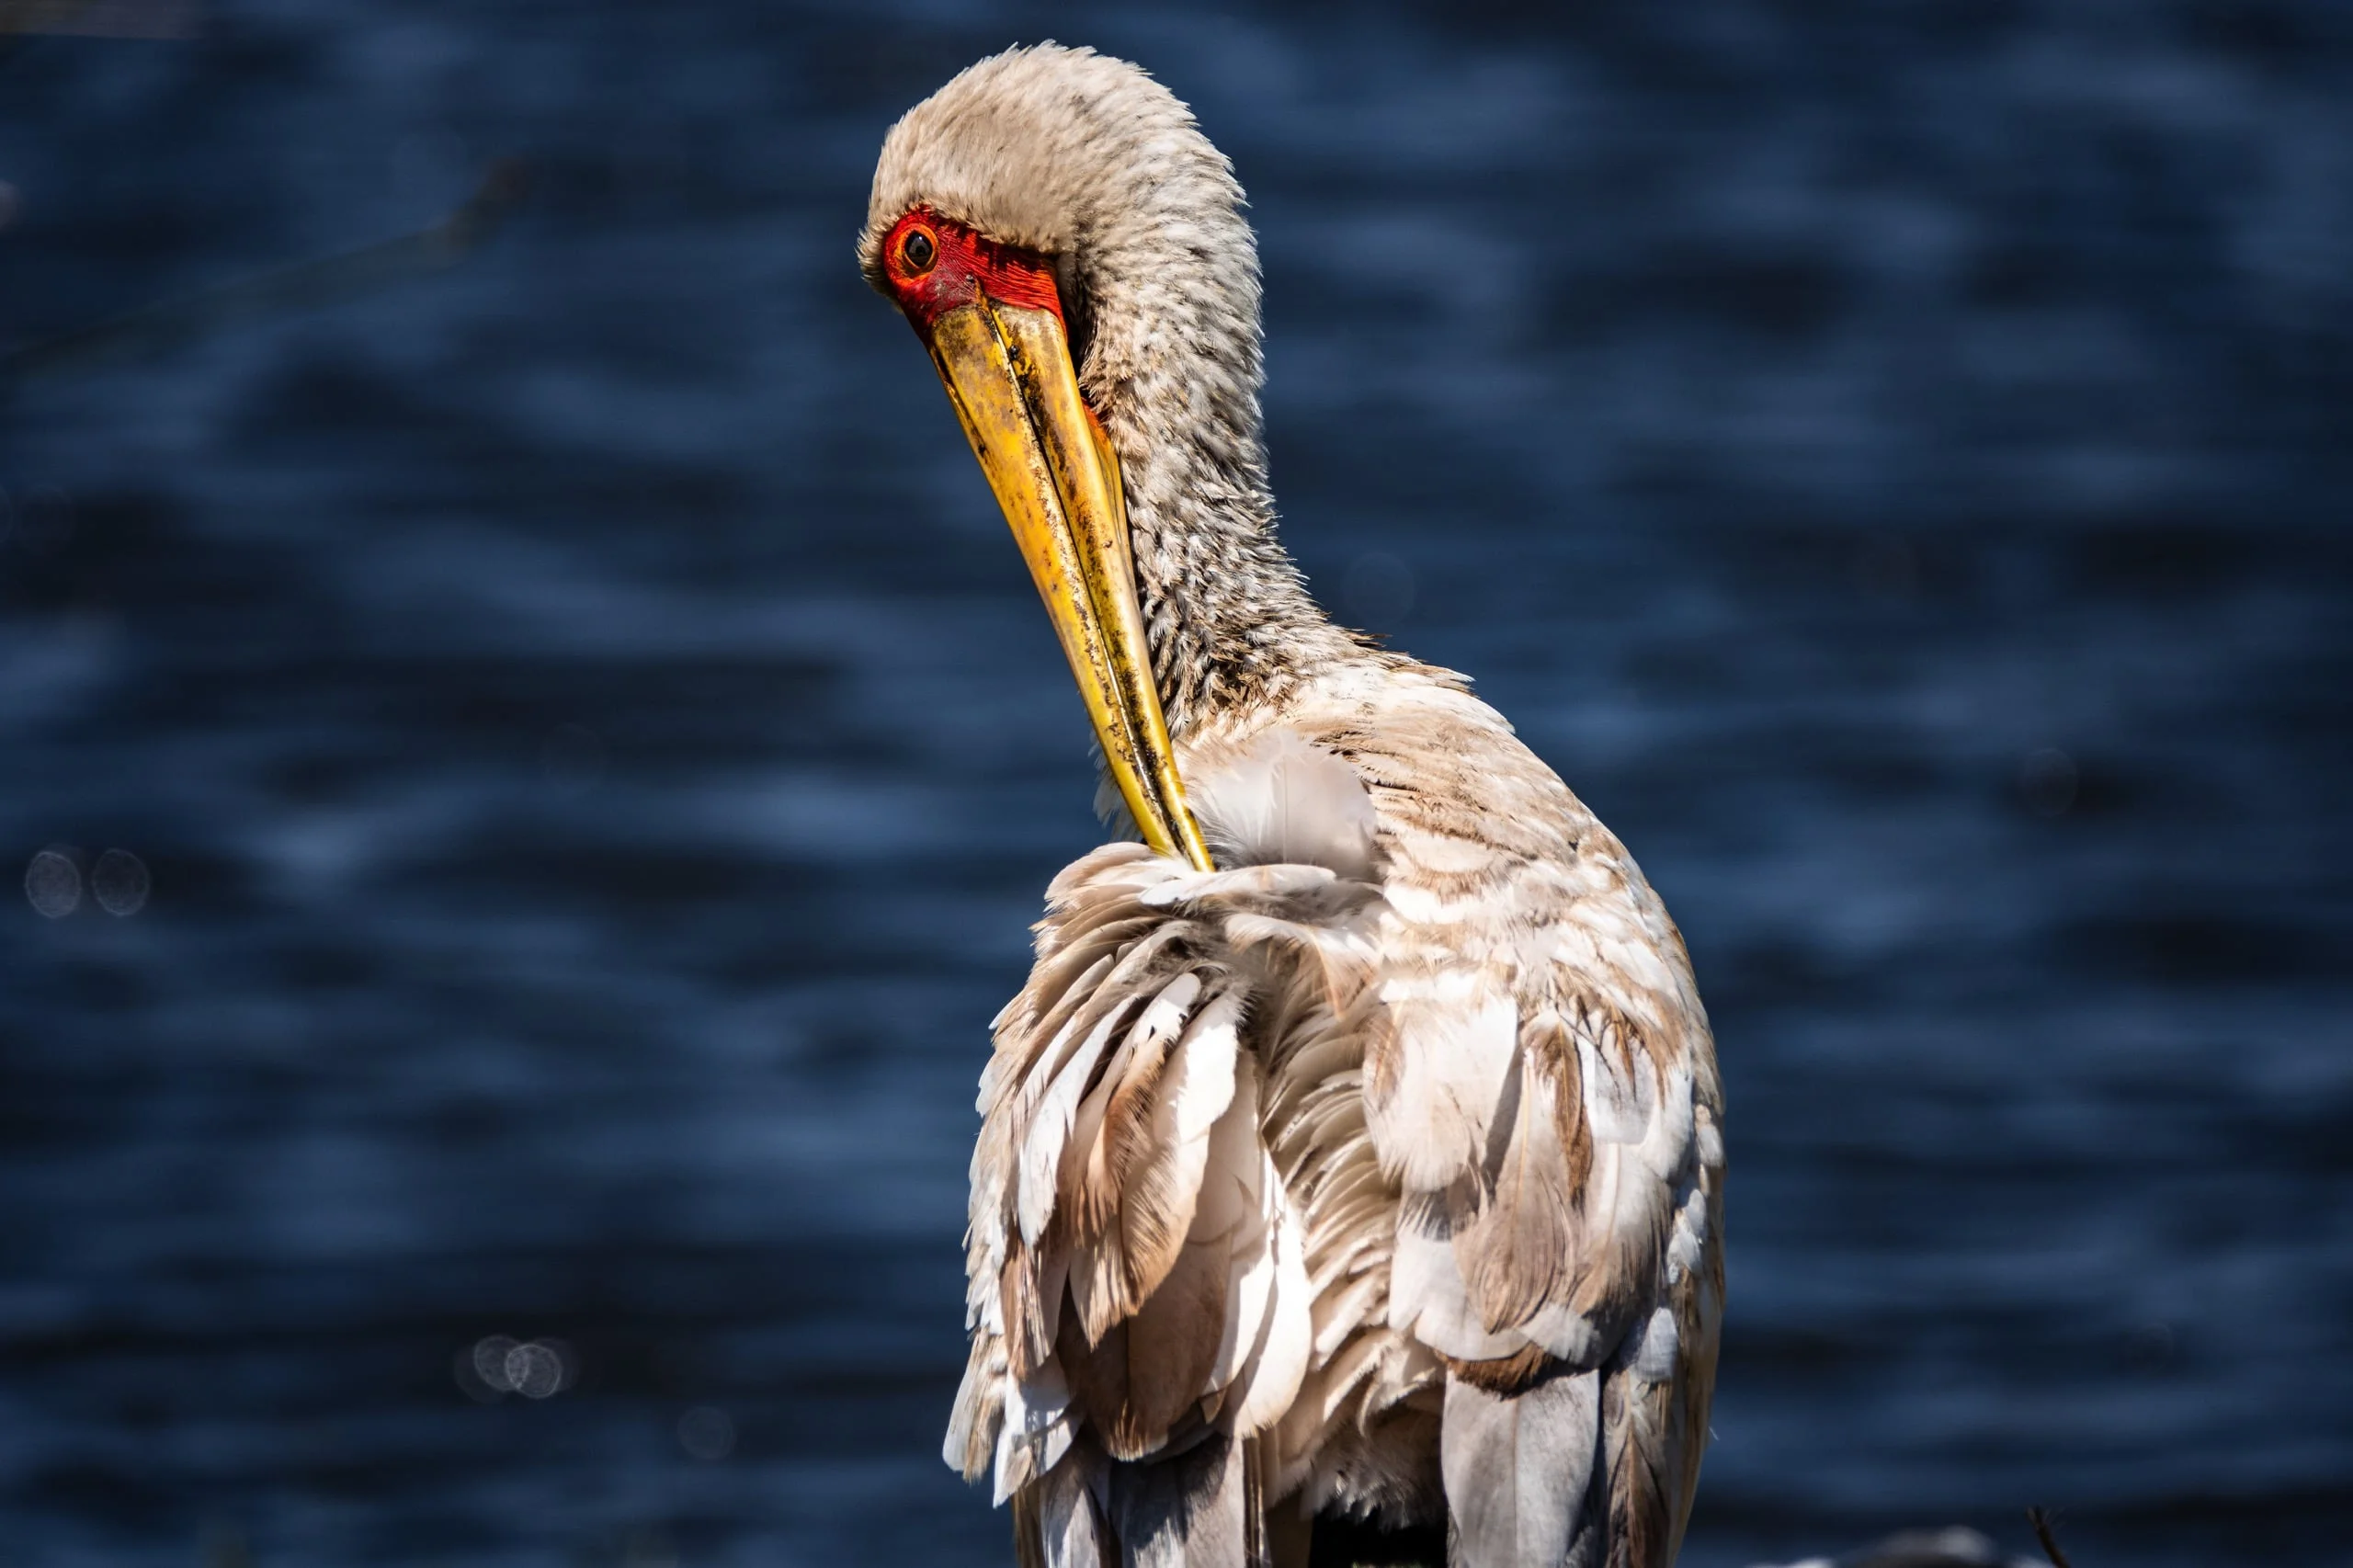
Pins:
x: 1090, y: 162
x: 1063, y: 151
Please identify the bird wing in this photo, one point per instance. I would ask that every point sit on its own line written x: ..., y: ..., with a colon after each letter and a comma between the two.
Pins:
x: 1541, y: 1080
x: 1135, y: 1263
x: 1143, y: 1259
x: 1289, y: 1141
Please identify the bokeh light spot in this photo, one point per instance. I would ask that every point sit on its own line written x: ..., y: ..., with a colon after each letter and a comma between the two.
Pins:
x: 534, y: 1370
x: 490, y: 1361
x: 499, y: 1364
x: 54, y: 883
x: 707, y: 1434
x: 120, y: 883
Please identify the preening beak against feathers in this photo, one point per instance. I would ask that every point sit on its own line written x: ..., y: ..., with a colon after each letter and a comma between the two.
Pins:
x: 1352, y: 1161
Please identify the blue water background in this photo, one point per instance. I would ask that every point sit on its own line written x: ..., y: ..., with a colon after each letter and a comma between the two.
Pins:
x: 597, y: 754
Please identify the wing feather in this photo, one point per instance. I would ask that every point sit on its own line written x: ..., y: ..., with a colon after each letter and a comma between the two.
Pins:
x: 1540, y: 1081
x: 1520, y: 1471
x: 1414, y: 1148
x: 1123, y: 1170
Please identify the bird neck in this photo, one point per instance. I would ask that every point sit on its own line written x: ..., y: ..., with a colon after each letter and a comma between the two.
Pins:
x: 1232, y: 625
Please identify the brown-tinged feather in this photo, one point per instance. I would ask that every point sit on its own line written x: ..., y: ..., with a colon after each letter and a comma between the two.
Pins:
x: 1556, y: 1051
x: 1097, y: 1372
x: 1098, y: 1287
x: 1642, y: 1523
x: 1515, y: 1250
x: 1029, y: 1538
x: 1173, y: 1339
x: 1514, y: 1373
x: 1034, y: 1284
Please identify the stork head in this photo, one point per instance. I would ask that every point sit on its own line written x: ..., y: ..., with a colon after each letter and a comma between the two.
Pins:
x: 1070, y: 248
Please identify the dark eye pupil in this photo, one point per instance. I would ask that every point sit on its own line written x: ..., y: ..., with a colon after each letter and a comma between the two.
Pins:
x: 917, y: 249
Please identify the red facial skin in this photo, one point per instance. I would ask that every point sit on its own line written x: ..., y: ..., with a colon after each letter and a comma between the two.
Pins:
x: 963, y: 265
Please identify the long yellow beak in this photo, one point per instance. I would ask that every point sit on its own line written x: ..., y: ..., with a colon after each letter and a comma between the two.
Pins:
x: 1007, y: 371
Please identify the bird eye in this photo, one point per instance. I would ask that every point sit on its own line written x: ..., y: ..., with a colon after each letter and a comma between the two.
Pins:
x: 917, y: 251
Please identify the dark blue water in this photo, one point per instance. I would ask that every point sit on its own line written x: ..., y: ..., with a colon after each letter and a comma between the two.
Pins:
x: 596, y: 751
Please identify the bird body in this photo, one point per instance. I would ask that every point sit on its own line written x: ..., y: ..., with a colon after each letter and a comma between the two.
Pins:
x: 1353, y: 1156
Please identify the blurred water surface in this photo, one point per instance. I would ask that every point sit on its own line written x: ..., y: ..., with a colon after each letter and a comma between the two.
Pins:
x: 595, y: 753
